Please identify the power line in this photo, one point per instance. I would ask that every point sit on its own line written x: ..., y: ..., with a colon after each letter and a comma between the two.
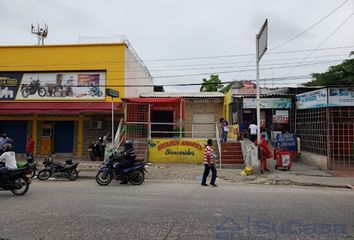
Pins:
x: 120, y: 62
x: 298, y: 35
x: 226, y: 63
x: 325, y: 40
x: 211, y: 73
x: 309, y: 28
x: 241, y: 55
x: 223, y: 72
x: 242, y: 66
x: 192, y: 84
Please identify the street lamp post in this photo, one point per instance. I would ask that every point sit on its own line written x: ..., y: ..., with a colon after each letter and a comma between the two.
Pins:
x: 114, y: 94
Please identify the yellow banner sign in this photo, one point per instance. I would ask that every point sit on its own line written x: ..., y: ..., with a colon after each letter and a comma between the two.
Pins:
x: 176, y: 150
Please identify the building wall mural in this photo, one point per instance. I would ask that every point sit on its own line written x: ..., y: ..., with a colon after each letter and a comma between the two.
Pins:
x: 52, y: 86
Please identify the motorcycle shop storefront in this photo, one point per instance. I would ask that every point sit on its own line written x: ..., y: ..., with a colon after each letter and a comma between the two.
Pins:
x: 64, y: 128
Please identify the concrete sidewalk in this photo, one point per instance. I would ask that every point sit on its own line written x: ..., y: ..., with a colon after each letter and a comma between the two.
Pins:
x: 300, y: 174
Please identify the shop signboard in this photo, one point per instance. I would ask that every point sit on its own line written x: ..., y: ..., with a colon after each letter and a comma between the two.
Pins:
x: 341, y: 97
x: 9, y: 84
x: 52, y: 86
x: 246, y: 88
x: 281, y: 116
x: 268, y: 103
x: 313, y: 99
x: 176, y: 150
x: 286, y: 141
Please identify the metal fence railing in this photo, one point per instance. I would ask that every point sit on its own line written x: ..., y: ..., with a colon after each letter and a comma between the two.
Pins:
x: 169, y: 130
x: 341, y: 143
x: 328, y: 131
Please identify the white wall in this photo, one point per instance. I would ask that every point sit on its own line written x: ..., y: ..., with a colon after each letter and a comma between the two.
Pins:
x: 135, y: 74
x: 314, y: 159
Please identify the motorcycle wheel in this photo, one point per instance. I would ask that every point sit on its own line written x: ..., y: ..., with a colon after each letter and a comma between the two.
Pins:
x: 25, y: 92
x: 73, y: 175
x: 44, y: 174
x: 42, y: 92
x: 22, y: 186
x: 137, y: 177
x: 103, y: 178
x: 32, y: 173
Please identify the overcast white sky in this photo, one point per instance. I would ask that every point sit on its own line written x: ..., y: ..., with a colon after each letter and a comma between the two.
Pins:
x: 175, y: 29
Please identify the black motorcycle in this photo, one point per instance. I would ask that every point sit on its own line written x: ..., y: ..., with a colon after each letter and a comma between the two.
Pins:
x: 113, y: 169
x: 96, y: 150
x: 32, y: 88
x: 15, y: 180
x: 51, y: 167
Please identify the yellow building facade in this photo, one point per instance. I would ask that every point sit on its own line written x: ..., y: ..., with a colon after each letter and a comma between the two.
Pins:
x: 57, y: 93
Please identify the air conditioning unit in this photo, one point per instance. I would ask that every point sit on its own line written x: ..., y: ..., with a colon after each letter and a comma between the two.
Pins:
x: 96, y: 124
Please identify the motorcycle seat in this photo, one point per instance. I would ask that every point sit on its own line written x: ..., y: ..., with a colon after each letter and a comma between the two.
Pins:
x: 60, y: 164
x: 68, y: 166
x: 22, y: 164
x: 14, y: 171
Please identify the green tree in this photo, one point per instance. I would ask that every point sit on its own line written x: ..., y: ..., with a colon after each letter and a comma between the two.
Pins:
x: 341, y: 74
x: 212, y: 84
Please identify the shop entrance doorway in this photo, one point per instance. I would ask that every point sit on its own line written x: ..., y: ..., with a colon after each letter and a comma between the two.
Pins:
x: 162, y: 124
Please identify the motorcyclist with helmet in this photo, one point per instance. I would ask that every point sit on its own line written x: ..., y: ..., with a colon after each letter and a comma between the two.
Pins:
x: 7, y: 160
x: 127, y: 158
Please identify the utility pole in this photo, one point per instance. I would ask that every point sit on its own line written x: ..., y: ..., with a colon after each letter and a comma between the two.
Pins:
x: 41, y: 33
x: 261, y: 48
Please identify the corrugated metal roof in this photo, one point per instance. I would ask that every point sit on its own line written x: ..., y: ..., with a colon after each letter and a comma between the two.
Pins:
x: 184, y: 95
x: 263, y: 95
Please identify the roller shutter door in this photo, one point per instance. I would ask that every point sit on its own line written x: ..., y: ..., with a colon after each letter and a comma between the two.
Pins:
x: 203, y: 125
x: 64, y: 137
x: 16, y: 130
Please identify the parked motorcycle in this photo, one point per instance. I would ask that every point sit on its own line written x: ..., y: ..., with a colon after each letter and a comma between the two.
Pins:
x: 52, y: 167
x: 135, y: 173
x: 95, y: 150
x: 31, y: 164
x: 15, y: 180
x: 32, y: 88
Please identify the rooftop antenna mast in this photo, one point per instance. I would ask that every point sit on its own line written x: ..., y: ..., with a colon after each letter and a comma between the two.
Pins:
x: 41, y: 33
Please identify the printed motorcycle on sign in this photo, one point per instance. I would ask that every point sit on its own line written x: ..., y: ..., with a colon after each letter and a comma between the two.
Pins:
x: 32, y: 88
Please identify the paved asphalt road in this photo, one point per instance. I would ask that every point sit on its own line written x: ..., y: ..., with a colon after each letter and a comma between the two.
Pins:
x: 175, y: 210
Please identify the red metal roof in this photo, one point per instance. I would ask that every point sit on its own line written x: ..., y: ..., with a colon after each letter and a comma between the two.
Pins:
x: 55, y: 107
x: 153, y: 100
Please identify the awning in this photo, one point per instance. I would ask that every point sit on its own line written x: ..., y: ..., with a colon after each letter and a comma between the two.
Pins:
x: 56, y: 107
x: 153, y: 100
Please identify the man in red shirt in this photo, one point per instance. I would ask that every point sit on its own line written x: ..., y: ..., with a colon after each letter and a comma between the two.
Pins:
x: 209, y: 164
x: 29, y: 145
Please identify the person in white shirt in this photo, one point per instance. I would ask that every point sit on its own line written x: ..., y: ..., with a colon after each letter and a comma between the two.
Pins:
x: 8, y: 157
x: 253, y: 132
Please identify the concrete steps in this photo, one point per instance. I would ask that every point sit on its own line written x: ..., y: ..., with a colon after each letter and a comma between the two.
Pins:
x: 231, y: 153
